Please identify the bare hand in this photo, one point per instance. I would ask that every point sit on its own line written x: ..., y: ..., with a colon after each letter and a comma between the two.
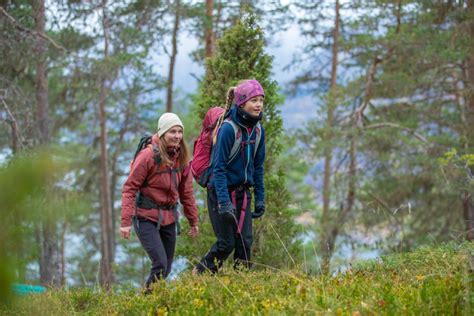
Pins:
x: 193, y: 231
x: 125, y: 232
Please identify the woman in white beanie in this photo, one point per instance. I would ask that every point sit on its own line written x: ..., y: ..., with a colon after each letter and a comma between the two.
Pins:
x: 159, y: 176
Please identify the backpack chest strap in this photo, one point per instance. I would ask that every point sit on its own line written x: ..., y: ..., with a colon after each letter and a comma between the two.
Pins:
x: 239, y: 144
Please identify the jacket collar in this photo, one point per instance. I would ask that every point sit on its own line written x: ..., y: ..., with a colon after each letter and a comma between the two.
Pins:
x: 243, y: 118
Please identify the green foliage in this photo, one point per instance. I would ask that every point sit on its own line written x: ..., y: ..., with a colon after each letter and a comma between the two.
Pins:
x: 24, y: 183
x: 428, y: 281
x: 20, y: 181
x: 457, y: 170
x: 35, y: 191
x: 453, y: 157
x: 239, y: 55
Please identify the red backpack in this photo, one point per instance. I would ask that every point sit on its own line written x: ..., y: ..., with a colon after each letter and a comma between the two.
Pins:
x: 201, y: 165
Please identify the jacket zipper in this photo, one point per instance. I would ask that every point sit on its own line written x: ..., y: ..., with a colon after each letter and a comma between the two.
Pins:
x: 248, y: 152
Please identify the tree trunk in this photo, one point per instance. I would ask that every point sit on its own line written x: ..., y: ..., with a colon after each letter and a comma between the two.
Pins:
x: 42, y: 101
x: 209, y: 48
x: 169, y: 98
x: 107, y: 244
x: 49, y: 247
x: 218, y: 20
x: 50, y: 271
x: 468, y: 215
x: 468, y: 200
x: 63, y: 254
x: 351, y: 194
x: 132, y: 96
x: 328, y: 135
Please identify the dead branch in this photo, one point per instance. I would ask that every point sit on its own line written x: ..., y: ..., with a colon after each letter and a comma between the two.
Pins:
x: 380, y: 201
x: 17, y: 139
x: 359, y: 112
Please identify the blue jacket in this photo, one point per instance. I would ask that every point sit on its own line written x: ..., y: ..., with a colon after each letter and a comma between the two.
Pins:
x: 245, y: 169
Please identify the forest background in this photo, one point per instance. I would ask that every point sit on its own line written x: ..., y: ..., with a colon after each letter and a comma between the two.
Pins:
x: 369, y: 113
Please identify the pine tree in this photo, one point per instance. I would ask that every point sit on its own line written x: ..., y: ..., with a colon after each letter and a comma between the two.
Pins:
x: 403, y: 108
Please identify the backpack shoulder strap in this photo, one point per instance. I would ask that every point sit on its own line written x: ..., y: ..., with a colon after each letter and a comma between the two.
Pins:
x: 156, y: 158
x: 238, y: 139
x: 142, y: 144
x: 156, y: 154
x: 258, y: 130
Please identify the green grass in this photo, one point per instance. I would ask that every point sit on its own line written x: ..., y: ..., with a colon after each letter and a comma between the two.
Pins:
x: 429, y: 281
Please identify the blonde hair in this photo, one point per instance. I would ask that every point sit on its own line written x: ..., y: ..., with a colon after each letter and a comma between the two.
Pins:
x: 229, y: 99
x: 183, y: 158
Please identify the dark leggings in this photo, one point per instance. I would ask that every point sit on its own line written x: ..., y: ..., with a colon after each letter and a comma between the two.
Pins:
x: 159, y: 244
x: 228, y: 239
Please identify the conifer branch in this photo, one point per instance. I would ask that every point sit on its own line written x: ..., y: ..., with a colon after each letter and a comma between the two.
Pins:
x: 388, y: 124
x: 359, y: 112
x: 31, y: 32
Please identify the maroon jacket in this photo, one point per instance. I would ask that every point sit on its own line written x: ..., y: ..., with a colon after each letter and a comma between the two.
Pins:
x: 161, y: 189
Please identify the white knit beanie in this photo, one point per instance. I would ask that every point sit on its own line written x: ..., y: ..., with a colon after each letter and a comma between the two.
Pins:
x: 167, y: 121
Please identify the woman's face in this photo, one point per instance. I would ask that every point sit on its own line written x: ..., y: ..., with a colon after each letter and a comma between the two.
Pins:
x: 173, y: 136
x: 254, y: 106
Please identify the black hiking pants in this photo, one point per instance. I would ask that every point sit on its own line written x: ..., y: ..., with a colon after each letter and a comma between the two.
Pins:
x: 159, y: 244
x: 228, y: 239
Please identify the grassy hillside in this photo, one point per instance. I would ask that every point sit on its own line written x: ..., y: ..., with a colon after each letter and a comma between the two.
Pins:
x: 428, y: 281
